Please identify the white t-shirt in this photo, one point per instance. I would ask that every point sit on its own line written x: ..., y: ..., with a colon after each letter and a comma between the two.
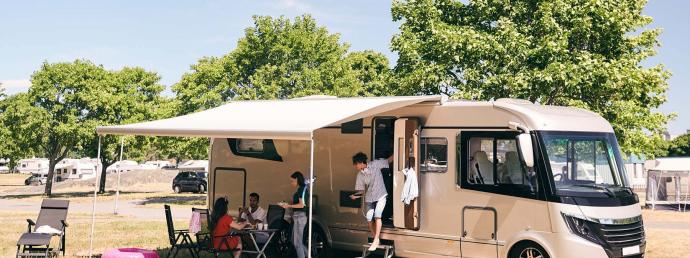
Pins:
x: 259, y: 214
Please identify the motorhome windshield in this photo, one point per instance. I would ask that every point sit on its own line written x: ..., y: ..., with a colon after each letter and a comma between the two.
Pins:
x: 583, y: 162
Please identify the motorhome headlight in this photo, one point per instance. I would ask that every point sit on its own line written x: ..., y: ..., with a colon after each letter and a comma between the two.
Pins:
x: 581, y: 228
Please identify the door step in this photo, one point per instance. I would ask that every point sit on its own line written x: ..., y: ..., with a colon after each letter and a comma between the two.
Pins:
x: 388, y: 250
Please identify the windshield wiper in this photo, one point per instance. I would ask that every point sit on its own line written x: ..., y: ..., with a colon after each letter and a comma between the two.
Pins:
x: 608, y: 191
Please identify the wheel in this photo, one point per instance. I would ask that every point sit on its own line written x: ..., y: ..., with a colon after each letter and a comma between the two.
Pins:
x: 202, y: 189
x: 177, y: 189
x: 282, y: 243
x: 319, y: 242
x: 528, y: 250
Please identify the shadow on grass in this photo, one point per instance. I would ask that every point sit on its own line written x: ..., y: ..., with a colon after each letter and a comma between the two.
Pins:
x: 199, y: 200
x: 68, y: 195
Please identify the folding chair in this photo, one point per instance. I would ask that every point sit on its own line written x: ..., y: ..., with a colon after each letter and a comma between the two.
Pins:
x: 179, y: 239
x: 51, y: 222
x: 204, y: 238
x: 282, y: 241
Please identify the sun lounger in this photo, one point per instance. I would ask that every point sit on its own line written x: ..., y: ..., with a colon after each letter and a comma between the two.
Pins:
x: 51, y: 223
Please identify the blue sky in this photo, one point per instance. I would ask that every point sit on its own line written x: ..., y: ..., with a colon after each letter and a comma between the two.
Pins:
x: 168, y: 36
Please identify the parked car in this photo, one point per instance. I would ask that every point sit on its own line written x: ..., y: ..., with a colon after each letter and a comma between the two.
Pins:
x: 36, y: 179
x: 190, y: 181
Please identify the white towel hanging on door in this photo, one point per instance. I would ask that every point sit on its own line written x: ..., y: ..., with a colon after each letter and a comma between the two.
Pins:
x: 411, y: 188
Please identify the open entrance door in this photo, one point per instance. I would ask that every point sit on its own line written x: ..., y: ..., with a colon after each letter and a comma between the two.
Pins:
x: 406, y: 155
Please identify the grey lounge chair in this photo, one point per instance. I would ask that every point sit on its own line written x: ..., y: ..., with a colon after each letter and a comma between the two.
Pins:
x: 33, y: 244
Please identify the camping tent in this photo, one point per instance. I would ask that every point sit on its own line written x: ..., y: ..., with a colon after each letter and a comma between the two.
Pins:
x: 294, y: 119
x: 674, y: 168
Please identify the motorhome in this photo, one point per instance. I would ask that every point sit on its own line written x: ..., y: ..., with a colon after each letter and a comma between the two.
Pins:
x: 84, y: 168
x: 33, y: 166
x: 5, y: 166
x: 160, y: 164
x: 193, y: 165
x: 504, y: 178
x: 122, y: 166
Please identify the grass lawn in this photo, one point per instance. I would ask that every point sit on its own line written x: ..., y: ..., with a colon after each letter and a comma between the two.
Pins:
x: 110, y: 231
x: 8, y: 181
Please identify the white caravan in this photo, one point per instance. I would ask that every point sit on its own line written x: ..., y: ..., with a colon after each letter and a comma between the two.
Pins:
x: 122, y: 166
x: 504, y: 178
x: 160, y: 164
x: 84, y: 168
x: 194, y: 165
x: 4, y: 166
x: 33, y: 166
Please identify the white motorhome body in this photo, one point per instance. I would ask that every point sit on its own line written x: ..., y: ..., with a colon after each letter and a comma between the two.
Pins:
x: 4, y: 166
x: 496, y: 179
x: 194, y: 165
x: 123, y: 166
x: 158, y: 163
x: 33, y: 166
x: 84, y: 168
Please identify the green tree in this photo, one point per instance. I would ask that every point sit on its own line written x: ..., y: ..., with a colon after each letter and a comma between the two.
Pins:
x: 68, y: 100
x: 583, y: 53
x: 680, y: 146
x: 19, y: 127
x: 279, y: 58
x: 134, y: 95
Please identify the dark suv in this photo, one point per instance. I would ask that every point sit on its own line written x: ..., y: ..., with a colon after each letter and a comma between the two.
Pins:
x: 194, y: 181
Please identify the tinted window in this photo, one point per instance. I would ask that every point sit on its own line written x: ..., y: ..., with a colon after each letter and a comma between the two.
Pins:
x: 260, y: 149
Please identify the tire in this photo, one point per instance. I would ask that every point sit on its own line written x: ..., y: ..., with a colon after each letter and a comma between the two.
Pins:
x: 528, y: 249
x: 202, y: 188
x: 319, y: 241
x: 177, y: 189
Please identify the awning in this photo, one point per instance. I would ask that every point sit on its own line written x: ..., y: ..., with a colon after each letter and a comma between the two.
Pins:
x: 293, y: 119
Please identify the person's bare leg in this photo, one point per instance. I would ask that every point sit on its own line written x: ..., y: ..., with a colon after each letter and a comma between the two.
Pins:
x: 238, y: 253
x: 378, y: 228
x: 372, y: 229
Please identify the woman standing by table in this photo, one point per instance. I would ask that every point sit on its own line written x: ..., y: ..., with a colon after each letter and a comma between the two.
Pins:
x: 299, y: 213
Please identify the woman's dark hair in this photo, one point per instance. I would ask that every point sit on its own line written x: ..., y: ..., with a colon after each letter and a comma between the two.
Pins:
x: 359, y: 158
x: 300, y: 178
x: 220, y: 209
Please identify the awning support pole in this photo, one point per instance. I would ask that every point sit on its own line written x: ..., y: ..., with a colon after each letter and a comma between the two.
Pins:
x: 95, y: 193
x: 117, y: 187
x: 311, y: 195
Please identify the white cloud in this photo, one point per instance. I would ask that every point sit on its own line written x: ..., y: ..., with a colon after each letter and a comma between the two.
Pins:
x: 14, y: 86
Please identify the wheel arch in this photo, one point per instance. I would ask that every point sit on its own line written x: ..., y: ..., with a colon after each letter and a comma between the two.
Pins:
x: 528, y: 237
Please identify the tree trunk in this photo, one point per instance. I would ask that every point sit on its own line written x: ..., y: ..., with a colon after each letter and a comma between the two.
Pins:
x: 104, y: 175
x: 49, y: 181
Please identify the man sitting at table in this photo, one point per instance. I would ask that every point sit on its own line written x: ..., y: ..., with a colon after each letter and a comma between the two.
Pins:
x: 254, y: 215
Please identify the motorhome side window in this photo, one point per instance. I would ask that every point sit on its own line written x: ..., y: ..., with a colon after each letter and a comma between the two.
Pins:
x: 250, y: 145
x: 493, y: 164
x: 434, y: 155
x: 254, y: 148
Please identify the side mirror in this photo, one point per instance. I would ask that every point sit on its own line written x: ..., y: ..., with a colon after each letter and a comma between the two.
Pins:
x: 525, y: 141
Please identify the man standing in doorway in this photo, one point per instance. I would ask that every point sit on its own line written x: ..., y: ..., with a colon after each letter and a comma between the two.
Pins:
x: 369, y: 177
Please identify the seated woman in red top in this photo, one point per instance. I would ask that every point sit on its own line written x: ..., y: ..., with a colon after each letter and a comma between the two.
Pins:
x: 222, y: 225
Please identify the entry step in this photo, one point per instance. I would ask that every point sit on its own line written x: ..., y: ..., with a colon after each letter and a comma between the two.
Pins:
x: 388, y: 250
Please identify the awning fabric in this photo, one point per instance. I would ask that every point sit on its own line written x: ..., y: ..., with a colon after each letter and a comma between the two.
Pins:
x: 293, y: 119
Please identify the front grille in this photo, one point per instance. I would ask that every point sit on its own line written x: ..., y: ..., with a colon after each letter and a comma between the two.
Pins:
x: 622, y: 235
